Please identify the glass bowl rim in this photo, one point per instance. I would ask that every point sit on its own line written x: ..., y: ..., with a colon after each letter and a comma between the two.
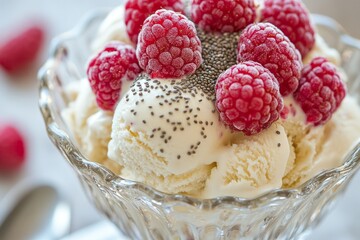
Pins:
x: 56, y: 134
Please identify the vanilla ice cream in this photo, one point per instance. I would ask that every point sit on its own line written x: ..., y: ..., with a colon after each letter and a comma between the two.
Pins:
x: 323, y: 147
x: 251, y: 165
x: 321, y: 49
x: 89, y: 125
x: 112, y: 29
x: 181, y: 138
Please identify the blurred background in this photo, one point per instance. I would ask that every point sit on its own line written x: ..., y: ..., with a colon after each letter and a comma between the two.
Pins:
x: 44, y: 164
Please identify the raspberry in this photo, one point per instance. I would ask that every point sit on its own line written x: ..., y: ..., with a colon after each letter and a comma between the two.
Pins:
x: 107, y: 70
x: 136, y: 11
x: 21, y: 50
x: 266, y: 44
x: 223, y: 15
x: 168, y: 46
x: 292, y: 17
x: 12, y: 148
x: 321, y: 91
x: 248, y: 97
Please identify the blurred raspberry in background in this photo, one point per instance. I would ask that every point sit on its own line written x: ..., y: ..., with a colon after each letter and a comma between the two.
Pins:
x: 21, y: 48
x: 12, y: 148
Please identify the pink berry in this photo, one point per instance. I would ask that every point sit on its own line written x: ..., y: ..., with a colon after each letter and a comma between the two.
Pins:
x: 107, y: 71
x: 223, y: 15
x: 21, y: 50
x: 12, y: 148
x: 266, y: 44
x: 321, y: 91
x: 136, y: 11
x: 248, y: 97
x: 291, y: 17
x: 168, y: 46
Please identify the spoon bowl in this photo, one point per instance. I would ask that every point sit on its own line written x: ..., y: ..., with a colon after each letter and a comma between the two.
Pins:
x: 35, y: 213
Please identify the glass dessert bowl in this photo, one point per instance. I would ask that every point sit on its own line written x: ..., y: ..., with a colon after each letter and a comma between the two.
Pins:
x: 142, y: 212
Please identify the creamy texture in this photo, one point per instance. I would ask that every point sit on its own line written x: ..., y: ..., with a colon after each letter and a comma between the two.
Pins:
x: 80, y: 109
x: 251, y: 165
x: 259, y: 7
x: 321, y: 49
x: 304, y: 139
x: 324, y: 147
x: 112, y: 29
x: 97, y: 135
x: 169, y: 116
x: 89, y: 125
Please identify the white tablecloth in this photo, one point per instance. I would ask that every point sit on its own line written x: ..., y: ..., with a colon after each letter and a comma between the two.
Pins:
x: 18, y: 104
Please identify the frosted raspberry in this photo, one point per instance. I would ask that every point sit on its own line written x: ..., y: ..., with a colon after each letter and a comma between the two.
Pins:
x: 248, y: 97
x: 292, y: 17
x: 12, y: 148
x: 223, y: 15
x: 107, y: 70
x: 266, y: 44
x: 21, y: 50
x: 321, y: 91
x: 168, y: 46
x: 136, y: 11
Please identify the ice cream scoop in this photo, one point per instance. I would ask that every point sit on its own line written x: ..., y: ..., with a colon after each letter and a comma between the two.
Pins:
x: 173, y: 140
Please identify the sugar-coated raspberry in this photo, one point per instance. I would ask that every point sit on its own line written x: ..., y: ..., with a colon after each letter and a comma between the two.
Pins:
x: 12, y: 148
x: 266, y: 44
x: 223, y: 15
x: 136, y: 11
x: 168, y: 45
x: 107, y: 71
x: 321, y: 91
x: 248, y: 97
x: 21, y: 50
x: 292, y: 17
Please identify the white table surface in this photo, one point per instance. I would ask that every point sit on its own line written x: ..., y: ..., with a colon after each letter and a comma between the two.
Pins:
x: 18, y: 104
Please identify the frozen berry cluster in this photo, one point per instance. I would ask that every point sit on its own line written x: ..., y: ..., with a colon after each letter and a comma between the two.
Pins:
x: 277, y: 44
x: 166, y: 46
x: 248, y: 95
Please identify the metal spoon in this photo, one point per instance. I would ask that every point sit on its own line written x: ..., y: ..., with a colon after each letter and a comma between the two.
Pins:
x: 38, y: 213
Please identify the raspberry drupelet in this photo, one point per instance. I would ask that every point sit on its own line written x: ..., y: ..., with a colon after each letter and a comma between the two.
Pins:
x: 136, y: 11
x: 168, y: 46
x: 321, y: 91
x: 223, y: 15
x: 106, y: 72
x: 248, y: 97
x: 266, y: 44
x: 291, y: 17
